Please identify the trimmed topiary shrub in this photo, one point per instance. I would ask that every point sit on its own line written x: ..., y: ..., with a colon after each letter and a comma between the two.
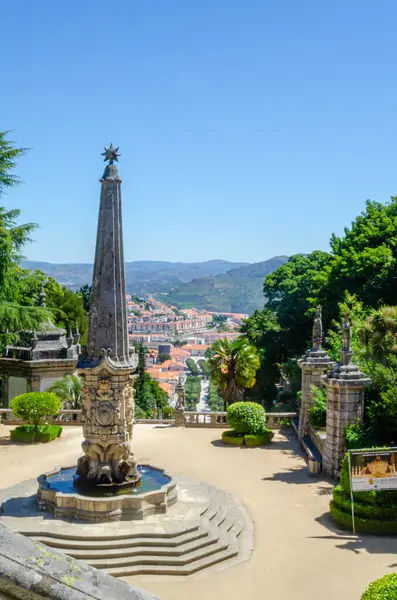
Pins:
x: 232, y: 437
x: 384, y: 588
x: 259, y: 439
x: 31, y: 434
x: 374, y: 512
x: 246, y: 417
x: 35, y: 407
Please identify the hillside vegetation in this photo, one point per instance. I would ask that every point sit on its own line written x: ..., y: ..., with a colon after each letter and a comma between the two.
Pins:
x: 142, y: 277
x: 238, y: 290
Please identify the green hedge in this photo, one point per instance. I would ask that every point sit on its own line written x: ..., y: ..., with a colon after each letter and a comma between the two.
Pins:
x: 259, y: 439
x: 251, y: 440
x: 384, y: 588
x: 232, y: 437
x: 374, y: 512
x: 44, y: 434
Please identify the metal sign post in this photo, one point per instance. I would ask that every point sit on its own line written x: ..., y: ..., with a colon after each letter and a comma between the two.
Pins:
x: 351, y: 491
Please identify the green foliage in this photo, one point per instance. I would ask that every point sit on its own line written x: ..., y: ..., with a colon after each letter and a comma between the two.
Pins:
x: 85, y: 293
x: 193, y: 368
x: 209, y: 353
x: 8, y: 161
x: 149, y: 396
x: 215, y: 401
x: 67, y: 306
x: 69, y: 390
x: 233, y: 367
x: 356, y: 436
x: 163, y: 356
x: 192, y: 392
x: 205, y: 369
x: 375, y: 511
x: 35, y: 407
x: 41, y: 434
x: 259, y: 439
x: 384, y: 588
x: 318, y: 410
x: 168, y: 412
x: 232, y: 437
x: 246, y: 417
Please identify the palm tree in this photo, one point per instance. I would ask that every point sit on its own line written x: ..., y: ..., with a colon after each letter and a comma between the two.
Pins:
x: 68, y: 389
x: 233, y: 367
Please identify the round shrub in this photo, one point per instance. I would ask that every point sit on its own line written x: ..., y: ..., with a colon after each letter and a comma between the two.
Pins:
x: 35, y: 407
x: 246, y: 417
x: 384, y: 588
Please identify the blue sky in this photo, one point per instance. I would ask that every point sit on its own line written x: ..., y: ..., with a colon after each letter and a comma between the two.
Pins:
x: 247, y: 128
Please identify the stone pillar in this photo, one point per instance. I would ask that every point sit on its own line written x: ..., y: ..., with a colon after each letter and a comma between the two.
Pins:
x: 345, y: 402
x: 314, y: 364
x: 180, y: 406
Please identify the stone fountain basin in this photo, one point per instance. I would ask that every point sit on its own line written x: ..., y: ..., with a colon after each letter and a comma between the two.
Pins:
x: 128, y: 506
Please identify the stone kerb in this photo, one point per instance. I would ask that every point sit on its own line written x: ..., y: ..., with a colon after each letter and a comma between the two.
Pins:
x: 314, y: 364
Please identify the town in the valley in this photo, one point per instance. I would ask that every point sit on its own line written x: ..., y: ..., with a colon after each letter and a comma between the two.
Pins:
x: 174, y: 338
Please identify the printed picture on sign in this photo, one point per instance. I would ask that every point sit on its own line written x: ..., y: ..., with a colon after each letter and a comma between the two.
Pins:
x: 374, y: 466
x: 373, y: 470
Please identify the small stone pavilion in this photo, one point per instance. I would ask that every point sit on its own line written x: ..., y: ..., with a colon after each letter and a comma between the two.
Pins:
x: 38, y: 360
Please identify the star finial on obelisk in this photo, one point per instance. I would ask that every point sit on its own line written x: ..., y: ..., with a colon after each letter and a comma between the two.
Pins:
x: 111, y: 154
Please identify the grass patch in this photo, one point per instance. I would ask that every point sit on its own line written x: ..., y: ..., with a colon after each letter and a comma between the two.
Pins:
x: 43, y: 434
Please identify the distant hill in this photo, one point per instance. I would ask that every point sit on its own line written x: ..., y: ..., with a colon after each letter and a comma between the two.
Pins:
x: 238, y: 290
x: 142, y: 277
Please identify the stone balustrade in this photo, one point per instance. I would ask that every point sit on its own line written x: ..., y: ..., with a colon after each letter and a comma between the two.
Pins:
x: 190, y: 419
x: 64, y: 418
x: 279, y: 419
x: 201, y: 419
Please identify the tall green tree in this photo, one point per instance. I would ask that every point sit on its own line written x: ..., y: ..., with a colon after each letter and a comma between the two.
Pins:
x: 13, y: 238
x: 233, y: 367
x: 85, y: 293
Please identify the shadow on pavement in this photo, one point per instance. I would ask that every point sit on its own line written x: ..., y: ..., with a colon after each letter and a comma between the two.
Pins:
x: 356, y: 543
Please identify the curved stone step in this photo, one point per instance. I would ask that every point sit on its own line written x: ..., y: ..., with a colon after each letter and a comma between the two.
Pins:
x: 154, y: 561
x: 111, y: 537
x: 161, y: 550
x: 65, y: 544
x: 188, y: 569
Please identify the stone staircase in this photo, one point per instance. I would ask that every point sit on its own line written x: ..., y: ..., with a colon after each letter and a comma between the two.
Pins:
x: 194, y: 535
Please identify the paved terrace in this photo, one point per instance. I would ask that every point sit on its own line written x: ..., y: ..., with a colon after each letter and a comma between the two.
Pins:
x: 298, y: 554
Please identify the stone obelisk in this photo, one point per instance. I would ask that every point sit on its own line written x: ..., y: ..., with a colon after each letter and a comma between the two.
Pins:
x: 107, y: 370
